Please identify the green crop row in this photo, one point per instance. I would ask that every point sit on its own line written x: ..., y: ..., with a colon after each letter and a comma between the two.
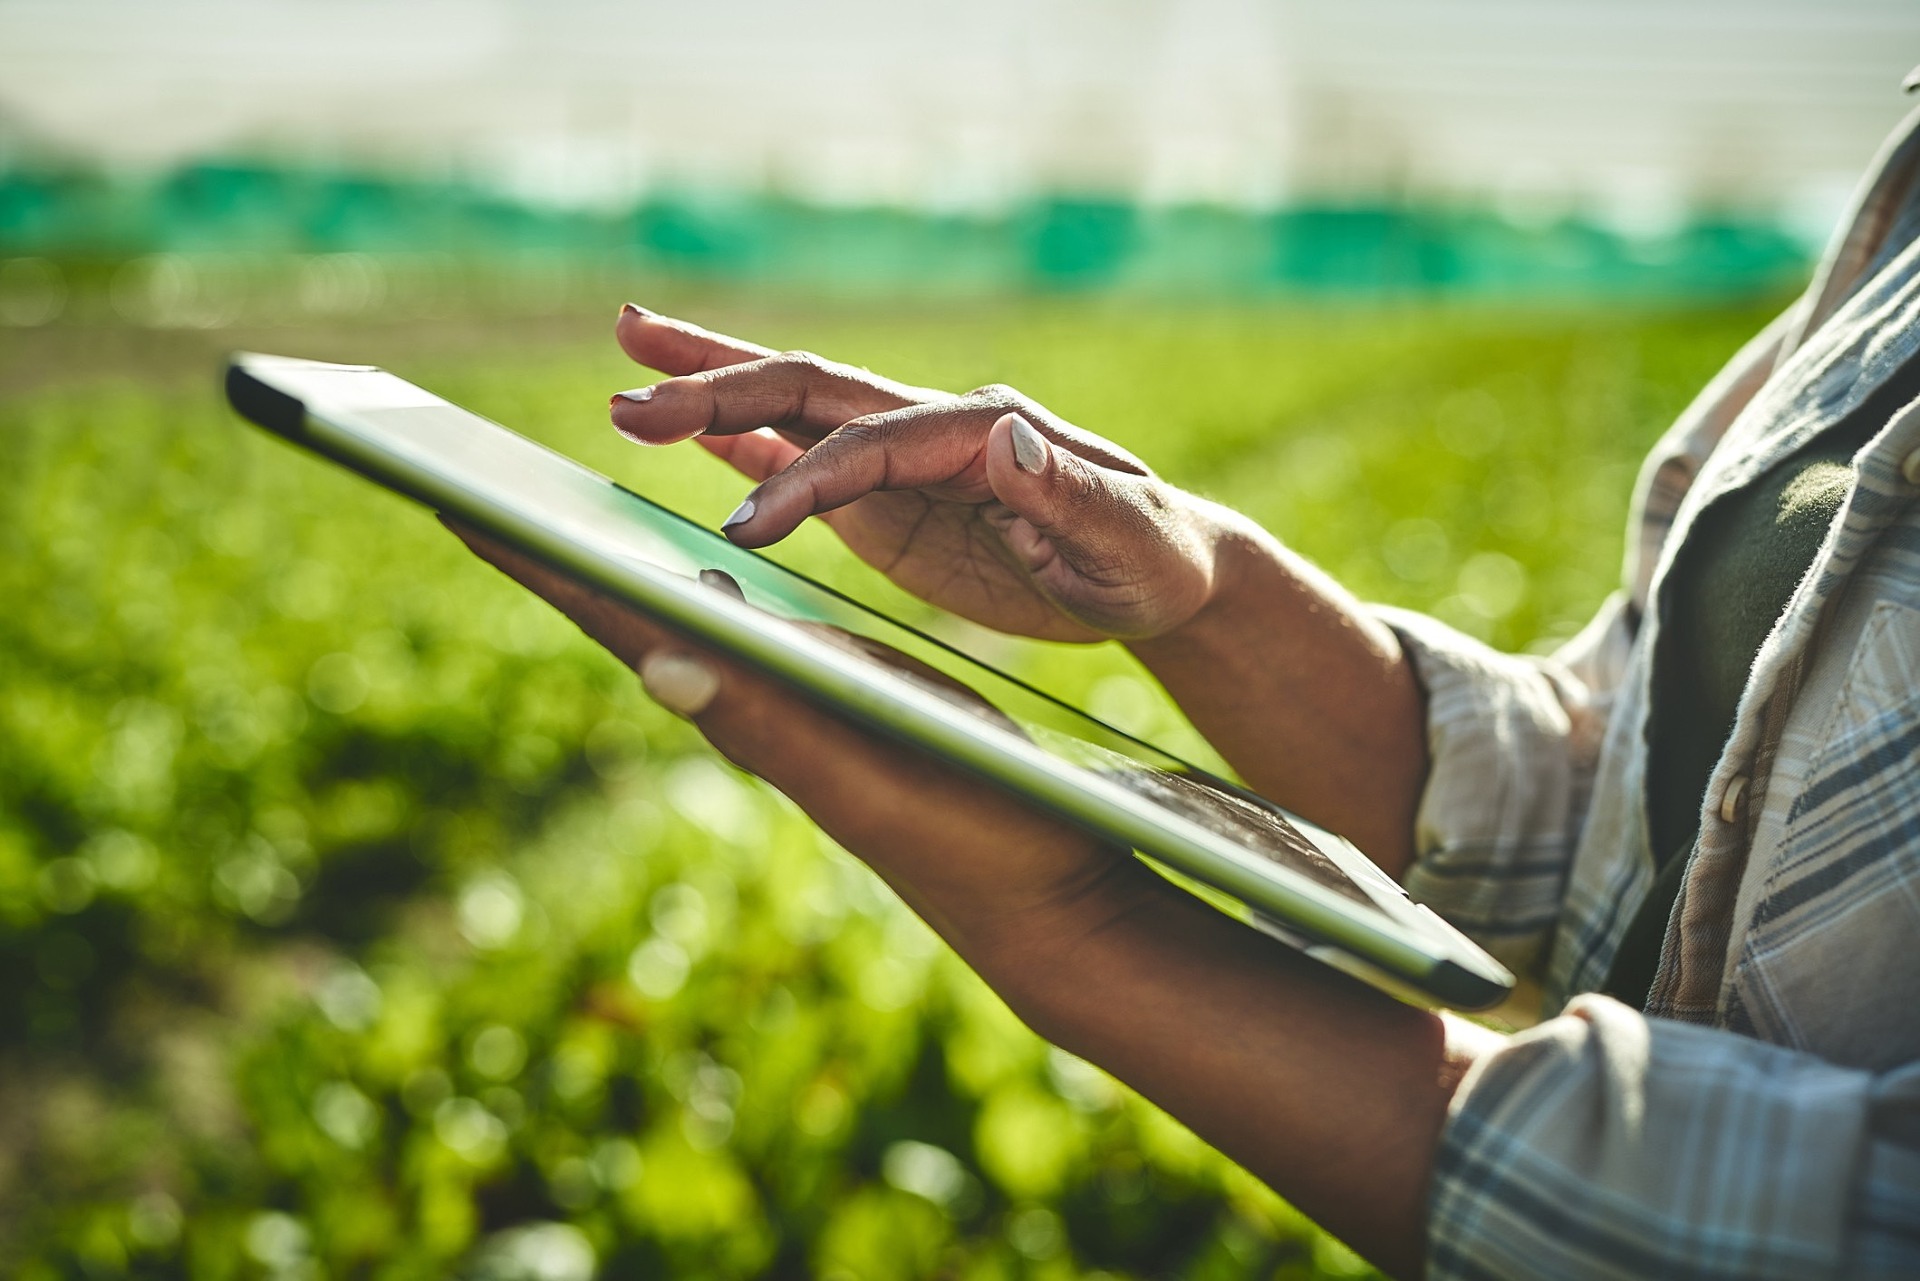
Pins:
x: 359, y: 919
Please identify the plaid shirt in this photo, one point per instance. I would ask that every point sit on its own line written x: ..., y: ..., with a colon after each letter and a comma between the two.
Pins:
x: 1762, y: 1117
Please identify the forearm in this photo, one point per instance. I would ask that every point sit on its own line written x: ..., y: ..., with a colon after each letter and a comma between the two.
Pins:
x: 1328, y: 1091
x: 1304, y: 693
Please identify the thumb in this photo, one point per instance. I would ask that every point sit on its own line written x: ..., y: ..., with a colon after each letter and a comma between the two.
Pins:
x: 1107, y: 545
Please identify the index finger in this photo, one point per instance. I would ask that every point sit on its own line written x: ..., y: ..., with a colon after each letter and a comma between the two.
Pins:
x: 623, y: 632
x: 679, y: 346
x: 796, y: 393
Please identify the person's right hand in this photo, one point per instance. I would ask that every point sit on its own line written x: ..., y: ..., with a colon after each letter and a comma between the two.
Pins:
x: 983, y: 503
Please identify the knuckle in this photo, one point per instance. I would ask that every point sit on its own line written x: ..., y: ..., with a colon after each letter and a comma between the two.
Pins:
x: 1084, y: 491
x: 1156, y: 500
x: 1000, y: 396
x: 863, y: 432
x: 805, y: 362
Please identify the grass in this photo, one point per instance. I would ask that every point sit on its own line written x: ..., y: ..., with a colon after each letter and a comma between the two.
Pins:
x: 358, y: 919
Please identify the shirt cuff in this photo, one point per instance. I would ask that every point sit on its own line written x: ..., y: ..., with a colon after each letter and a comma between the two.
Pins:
x: 1603, y: 1143
x: 1494, y: 833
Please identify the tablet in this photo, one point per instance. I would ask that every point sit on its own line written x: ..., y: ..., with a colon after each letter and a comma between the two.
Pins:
x: 1301, y: 883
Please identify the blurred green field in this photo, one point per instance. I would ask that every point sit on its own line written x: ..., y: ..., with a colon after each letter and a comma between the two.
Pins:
x: 358, y: 919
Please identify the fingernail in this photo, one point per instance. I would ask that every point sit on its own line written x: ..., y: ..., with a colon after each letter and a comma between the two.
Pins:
x: 639, y: 395
x: 1029, y: 447
x: 720, y: 580
x: 741, y: 515
x: 680, y: 683
x: 634, y: 309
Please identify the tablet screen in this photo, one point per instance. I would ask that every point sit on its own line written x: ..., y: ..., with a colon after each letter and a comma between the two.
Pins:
x: 622, y: 525
x: 1221, y: 841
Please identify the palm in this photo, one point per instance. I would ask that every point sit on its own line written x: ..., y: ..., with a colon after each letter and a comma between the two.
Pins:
x: 946, y: 549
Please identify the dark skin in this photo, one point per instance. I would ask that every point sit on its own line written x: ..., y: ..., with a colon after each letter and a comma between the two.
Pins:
x: 1307, y: 695
x: 1329, y: 1091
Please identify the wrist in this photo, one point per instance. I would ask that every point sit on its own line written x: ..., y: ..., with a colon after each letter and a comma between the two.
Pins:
x: 1303, y: 690
x: 1032, y: 952
x: 1238, y: 554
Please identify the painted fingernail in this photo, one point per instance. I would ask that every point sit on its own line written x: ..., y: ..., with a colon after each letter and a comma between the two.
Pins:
x: 721, y: 581
x: 741, y: 515
x: 639, y: 395
x: 680, y: 683
x: 1029, y: 447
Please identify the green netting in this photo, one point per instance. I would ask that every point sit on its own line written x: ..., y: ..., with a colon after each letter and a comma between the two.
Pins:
x: 1055, y: 243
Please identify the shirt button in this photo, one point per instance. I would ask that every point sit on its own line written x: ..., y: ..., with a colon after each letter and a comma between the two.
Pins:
x: 1910, y: 467
x: 1733, y: 801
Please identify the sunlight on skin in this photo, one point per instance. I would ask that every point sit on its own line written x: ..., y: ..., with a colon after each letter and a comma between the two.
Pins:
x: 1071, y: 933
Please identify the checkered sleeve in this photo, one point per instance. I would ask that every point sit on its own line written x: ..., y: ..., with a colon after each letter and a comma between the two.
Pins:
x: 1512, y: 742
x: 1603, y: 1143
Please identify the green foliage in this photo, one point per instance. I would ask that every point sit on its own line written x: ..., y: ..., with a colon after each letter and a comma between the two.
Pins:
x: 359, y: 919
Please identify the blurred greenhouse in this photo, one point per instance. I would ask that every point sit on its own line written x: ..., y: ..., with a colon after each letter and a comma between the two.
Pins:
x: 210, y: 242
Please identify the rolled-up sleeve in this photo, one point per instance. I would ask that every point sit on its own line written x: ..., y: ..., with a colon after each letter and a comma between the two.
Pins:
x: 1603, y: 1143
x: 1512, y: 743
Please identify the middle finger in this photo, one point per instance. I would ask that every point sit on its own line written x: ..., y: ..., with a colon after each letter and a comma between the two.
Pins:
x: 797, y: 392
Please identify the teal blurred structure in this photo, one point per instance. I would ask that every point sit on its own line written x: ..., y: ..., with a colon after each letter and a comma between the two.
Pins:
x: 1053, y: 243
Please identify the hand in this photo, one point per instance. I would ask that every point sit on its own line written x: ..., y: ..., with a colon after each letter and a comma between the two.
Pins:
x: 998, y: 879
x: 985, y: 503
x: 1332, y: 1093
x: 1304, y: 692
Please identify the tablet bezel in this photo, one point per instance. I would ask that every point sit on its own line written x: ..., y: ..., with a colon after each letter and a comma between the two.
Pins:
x: 330, y: 409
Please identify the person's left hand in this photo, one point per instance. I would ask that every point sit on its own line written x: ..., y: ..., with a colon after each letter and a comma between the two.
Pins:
x: 996, y: 877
